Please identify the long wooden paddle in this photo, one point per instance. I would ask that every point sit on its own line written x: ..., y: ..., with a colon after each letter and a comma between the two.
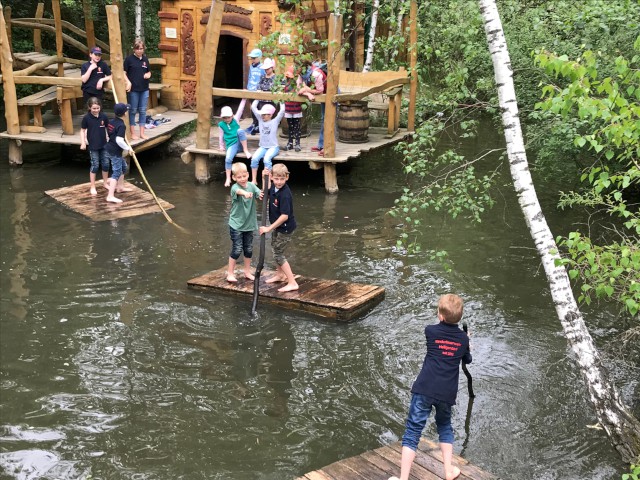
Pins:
x: 266, y: 184
x: 466, y: 371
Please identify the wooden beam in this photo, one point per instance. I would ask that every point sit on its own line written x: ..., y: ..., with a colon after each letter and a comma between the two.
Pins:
x: 36, y: 23
x: 7, y: 19
x: 32, y: 129
x: 117, y: 60
x: 37, y: 33
x: 413, y: 63
x: 351, y: 97
x: 334, y: 58
x: 10, y: 96
x: 258, y: 95
x: 35, y: 80
x: 205, y: 80
x: 57, y: 16
x: 88, y: 24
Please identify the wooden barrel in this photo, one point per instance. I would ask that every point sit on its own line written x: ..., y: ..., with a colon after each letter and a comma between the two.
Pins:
x: 353, y: 122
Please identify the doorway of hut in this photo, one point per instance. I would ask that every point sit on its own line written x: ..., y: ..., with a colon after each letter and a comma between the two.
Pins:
x: 229, y: 72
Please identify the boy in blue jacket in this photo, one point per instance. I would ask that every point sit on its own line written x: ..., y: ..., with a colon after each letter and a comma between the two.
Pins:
x: 437, y: 385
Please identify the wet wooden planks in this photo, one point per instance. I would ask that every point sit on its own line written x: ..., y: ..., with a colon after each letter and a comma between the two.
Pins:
x: 136, y: 202
x: 384, y: 462
x: 328, y: 298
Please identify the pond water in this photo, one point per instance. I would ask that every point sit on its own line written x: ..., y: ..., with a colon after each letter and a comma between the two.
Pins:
x: 111, y: 368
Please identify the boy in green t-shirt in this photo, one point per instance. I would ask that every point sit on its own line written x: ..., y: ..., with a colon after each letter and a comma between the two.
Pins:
x: 242, y: 220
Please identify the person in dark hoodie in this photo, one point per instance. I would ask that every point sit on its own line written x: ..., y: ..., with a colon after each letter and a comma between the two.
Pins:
x: 437, y: 385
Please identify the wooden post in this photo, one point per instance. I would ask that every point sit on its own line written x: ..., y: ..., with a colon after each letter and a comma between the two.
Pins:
x: 333, y: 78
x: 7, y: 19
x: 117, y: 61
x: 88, y: 24
x: 66, y: 117
x: 10, y: 96
x: 55, y: 5
x: 205, y: 81
x: 37, y: 33
x: 413, y: 86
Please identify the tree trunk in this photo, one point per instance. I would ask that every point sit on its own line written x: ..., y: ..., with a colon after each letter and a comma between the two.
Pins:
x: 372, y: 36
x: 623, y: 429
x: 138, y: 14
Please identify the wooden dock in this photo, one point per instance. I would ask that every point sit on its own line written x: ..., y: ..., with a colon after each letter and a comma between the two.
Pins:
x: 333, y: 299
x: 384, y: 462
x: 136, y: 202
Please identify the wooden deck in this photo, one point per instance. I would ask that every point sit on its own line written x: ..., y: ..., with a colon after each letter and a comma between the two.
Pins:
x: 333, y: 299
x: 54, y: 133
x: 96, y: 207
x: 26, y: 59
x: 378, y: 138
x: 384, y: 462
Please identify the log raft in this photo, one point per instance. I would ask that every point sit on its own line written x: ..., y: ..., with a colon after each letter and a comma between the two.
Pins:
x: 384, y: 462
x: 333, y: 299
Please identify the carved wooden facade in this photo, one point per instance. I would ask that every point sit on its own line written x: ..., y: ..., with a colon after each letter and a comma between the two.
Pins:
x: 244, y: 23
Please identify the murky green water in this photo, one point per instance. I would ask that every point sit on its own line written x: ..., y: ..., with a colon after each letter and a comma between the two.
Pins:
x: 111, y: 367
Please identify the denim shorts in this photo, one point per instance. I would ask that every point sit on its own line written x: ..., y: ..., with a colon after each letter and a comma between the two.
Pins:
x: 279, y: 241
x: 99, y: 159
x: 419, y: 412
x: 118, y: 166
x: 241, y: 242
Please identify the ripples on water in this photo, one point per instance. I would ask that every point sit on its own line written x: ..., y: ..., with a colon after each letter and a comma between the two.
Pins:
x: 112, y: 368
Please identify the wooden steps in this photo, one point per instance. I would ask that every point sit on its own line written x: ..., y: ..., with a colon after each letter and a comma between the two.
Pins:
x: 333, y: 299
x: 384, y: 462
x: 136, y: 202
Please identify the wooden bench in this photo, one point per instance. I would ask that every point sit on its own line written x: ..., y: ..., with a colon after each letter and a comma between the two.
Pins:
x: 35, y: 101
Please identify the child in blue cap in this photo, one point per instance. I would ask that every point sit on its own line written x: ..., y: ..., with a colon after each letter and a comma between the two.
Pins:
x: 256, y: 72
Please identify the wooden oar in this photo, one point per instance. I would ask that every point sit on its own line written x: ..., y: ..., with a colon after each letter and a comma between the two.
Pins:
x: 466, y: 371
x: 263, y: 239
x: 135, y: 159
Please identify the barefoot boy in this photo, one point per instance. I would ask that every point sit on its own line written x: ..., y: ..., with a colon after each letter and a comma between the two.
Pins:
x: 114, y: 148
x: 283, y: 223
x: 242, y: 220
x: 437, y: 385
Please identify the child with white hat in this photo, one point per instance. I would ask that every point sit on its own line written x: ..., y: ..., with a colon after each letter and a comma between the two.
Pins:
x: 269, y: 147
x: 230, y: 136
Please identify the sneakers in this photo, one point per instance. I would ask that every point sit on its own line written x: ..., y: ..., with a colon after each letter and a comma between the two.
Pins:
x: 289, y: 146
x: 297, y: 148
x: 253, y: 130
x: 316, y: 149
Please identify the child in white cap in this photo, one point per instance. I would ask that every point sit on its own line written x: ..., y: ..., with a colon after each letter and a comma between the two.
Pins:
x: 269, y: 147
x: 230, y: 136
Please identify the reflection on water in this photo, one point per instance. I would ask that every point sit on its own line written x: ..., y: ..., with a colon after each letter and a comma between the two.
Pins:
x: 111, y: 367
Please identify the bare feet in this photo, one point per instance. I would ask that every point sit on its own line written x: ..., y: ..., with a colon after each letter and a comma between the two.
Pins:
x: 231, y: 278
x: 123, y: 189
x: 93, y: 191
x: 453, y: 473
x: 290, y: 287
x: 249, y: 276
x: 134, y: 137
x: 143, y: 136
x: 227, y: 182
x: 105, y: 184
x: 114, y: 200
x: 275, y: 278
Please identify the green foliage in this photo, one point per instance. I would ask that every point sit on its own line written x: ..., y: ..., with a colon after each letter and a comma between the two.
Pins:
x: 634, y: 473
x: 607, y: 110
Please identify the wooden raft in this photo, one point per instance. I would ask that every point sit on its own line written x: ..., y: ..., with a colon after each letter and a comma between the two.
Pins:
x: 384, y: 462
x: 328, y: 298
x: 136, y: 202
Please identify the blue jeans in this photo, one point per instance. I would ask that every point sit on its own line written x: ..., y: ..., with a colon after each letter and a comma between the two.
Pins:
x: 267, y: 153
x: 419, y: 412
x: 241, y: 242
x: 233, y: 149
x: 99, y: 159
x: 321, y: 137
x: 118, y: 166
x: 138, y: 102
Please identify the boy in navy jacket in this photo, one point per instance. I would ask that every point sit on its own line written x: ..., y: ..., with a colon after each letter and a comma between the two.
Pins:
x: 437, y: 385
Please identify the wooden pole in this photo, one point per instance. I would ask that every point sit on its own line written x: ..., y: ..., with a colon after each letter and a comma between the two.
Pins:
x: 205, y: 80
x: 7, y: 19
x: 88, y: 24
x: 413, y: 86
x: 10, y: 96
x: 55, y: 5
x: 117, y: 61
x: 333, y: 78
x: 37, y: 33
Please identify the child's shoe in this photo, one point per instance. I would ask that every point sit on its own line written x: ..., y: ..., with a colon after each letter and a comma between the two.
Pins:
x: 289, y: 146
x: 297, y: 147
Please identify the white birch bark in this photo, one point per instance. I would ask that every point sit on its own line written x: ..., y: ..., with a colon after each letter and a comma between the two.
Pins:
x: 372, y: 36
x: 623, y: 429
x: 138, y: 14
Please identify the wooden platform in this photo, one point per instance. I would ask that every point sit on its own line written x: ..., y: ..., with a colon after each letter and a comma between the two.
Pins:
x: 54, y: 132
x: 96, y: 207
x: 334, y: 299
x: 378, y: 138
x: 26, y: 59
x: 384, y: 462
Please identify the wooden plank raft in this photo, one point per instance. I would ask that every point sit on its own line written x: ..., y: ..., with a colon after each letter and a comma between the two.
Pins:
x: 328, y: 298
x: 136, y: 202
x: 384, y: 462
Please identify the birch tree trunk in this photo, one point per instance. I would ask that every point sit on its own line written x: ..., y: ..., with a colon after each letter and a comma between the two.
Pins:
x: 623, y: 429
x: 138, y: 14
x: 372, y: 36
